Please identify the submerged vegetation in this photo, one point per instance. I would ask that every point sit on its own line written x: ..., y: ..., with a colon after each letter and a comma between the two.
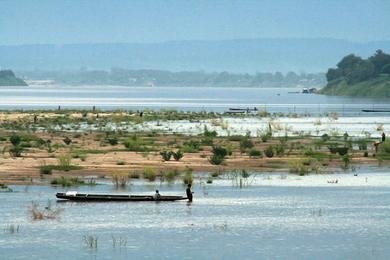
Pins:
x: 48, y: 212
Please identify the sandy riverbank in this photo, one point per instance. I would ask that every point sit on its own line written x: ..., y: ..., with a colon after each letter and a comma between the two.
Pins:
x: 43, y: 133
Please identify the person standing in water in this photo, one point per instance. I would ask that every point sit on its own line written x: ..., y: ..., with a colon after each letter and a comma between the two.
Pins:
x: 383, y: 137
x: 189, y: 193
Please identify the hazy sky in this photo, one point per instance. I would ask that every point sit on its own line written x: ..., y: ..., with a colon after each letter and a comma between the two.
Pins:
x: 80, y: 21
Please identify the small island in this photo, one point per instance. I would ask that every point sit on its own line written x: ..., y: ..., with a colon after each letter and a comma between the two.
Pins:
x: 359, y: 77
x: 8, y: 78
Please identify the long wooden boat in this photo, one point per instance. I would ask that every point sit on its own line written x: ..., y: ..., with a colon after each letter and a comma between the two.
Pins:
x: 375, y: 110
x: 75, y: 196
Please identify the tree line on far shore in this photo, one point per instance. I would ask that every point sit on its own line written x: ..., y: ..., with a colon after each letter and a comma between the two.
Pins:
x: 354, y: 69
x: 147, y: 77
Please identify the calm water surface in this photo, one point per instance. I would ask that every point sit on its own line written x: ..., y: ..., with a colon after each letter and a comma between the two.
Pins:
x: 185, y: 98
x: 293, y: 218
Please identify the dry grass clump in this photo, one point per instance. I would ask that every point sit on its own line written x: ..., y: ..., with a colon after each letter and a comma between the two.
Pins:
x: 47, y: 213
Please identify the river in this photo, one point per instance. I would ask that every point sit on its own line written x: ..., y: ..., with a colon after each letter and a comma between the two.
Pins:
x: 286, y: 100
x: 275, y: 216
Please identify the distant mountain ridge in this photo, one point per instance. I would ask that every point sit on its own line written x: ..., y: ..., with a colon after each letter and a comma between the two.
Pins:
x: 238, y: 56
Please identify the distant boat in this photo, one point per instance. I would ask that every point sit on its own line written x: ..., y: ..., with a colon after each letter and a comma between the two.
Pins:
x: 85, y: 197
x: 375, y: 110
x: 243, y: 109
x: 309, y: 90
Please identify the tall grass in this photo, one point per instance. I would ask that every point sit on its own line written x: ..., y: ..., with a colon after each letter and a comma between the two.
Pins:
x: 69, y: 181
x: 188, y: 178
x: 120, y: 179
x: 91, y: 241
x: 64, y: 161
x: 11, y: 228
x: 118, y: 242
x: 150, y: 174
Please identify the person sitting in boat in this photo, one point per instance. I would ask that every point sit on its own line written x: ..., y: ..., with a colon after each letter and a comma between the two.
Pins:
x: 157, y: 195
x: 189, y: 192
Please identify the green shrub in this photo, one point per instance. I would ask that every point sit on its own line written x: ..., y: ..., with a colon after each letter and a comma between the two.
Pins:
x: 279, y: 149
x: 208, y: 141
x: 15, y: 140
x: 308, y: 151
x: 67, y: 140
x: 113, y: 140
x: 246, y: 143
x: 269, y: 151
x: 79, y: 154
x: 207, y: 133
x: 255, y: 153
x: 325, y: 137
x: 220, y: 151
x: 216, y: 159
x: 134, y: 144
x: 46, y: 169
x: 16, y: 151
x: 191, y: 146
x: 166, y: 155
x: 177, y: 155
x: 264, y: 136
x: 333, y: 149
